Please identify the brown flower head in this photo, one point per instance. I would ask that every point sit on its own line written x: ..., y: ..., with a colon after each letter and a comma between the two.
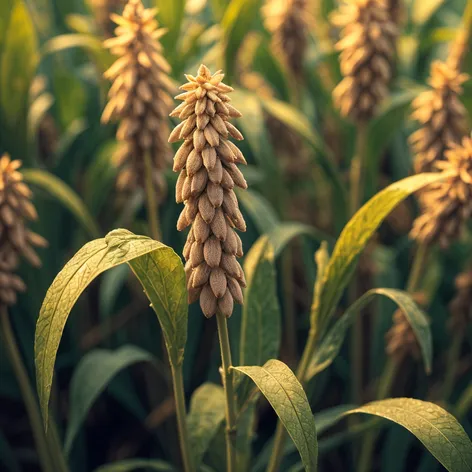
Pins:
x: 288, y: 22
x: 441, y: 115
x: 15, y: 239
x: 208, y: 174
x: 367, y: 48
x: 447, y: 206
x: 139, y: 96
x: 460, y: 307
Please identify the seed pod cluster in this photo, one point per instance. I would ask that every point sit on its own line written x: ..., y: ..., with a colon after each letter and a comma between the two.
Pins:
x: 441, y: 115
x: 288, y: 22
x: 446, y: 206
x: 367, y: 48
x: 401, y: 339
x: 460, y: 308
x: 15, y: 239
x: 208, y: 174
x: 139, y: 97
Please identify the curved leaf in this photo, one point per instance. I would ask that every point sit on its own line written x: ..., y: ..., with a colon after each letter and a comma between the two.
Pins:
x: 157, y: 267
x: 355, y: 236
x: 437, y: 429
x: 131, y: 465
x: 287, y: 397
x: 207, y: 413
x: 260, y: 210
x: 65, y: 195
x: 331, y: 344
x: 170, y: 16
x: 94, y: 372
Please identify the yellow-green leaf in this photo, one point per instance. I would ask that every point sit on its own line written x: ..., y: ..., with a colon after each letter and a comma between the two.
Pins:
x: 332, y: 342
x: 207, y: 412
x: 288, y: 399
x: 437, y: 429
x: 357, y: 234
x: 58, y: 189
x: 157, y: 267
x: 170, y: 16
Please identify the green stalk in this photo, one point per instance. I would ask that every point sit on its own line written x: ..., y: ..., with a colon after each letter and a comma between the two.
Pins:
x: 452, y: 361
x: 356, y: 200
x: 151, y: 203
x: 181, y: 412
x: 390, y: 371
x: 29, y: 398
x: 227, y: 377
x: 55, y: 447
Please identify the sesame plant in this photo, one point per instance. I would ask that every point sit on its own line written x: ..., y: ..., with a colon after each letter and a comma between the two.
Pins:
x: 285, y: 185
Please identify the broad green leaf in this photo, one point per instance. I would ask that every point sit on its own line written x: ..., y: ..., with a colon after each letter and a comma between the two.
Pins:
x: 94, y: 372
x: 207, y: 413
x: 132, y: 465
x: 58, y: 189
x: 238, y: 18
x: 5, y: 13
x: 261, y: 323
x: 357, y: 234
x: 18, y: 62
x: 326, y: 419
x: 170, y: 16
x: 285, y: 232
x: 260, y: 210
x: 287, y: 397
x: 157, y: 267
x: 437, y: 429
x: 332, y: 342
x: 422, y: 11
x: 218, y: 8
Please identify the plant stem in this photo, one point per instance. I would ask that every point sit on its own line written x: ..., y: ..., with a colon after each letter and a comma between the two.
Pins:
x: 280, y: 433
x: 356, y: 200
x: 452, y: 360
x: 151, y: 203
x: 227, y: 377
x: 55, y: 447
x: 181, y: 412
x: 390, y: 371
x: 290, y: 331
x: 26, y: 391
x: 460, y: 46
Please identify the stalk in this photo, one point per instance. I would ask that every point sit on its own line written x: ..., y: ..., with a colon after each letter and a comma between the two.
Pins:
x: 151, y: 203
x: 227, y: 376
x: 391, y: 369
x: 461, y: 44
x: 181, y: 412
x: 356, y: 199
x: 452, y: 361
x: 26, y: 391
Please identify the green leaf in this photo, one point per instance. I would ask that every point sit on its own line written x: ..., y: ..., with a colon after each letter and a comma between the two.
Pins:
x: 332, y: 342
x: 170, y: 16
x: 58, y: 189
x: 38, y: 109
x: 422, y: 11
x: 287, y: 397
x: 157, y: 267
x: 94, y: 372
x: 207, y: 412
x: 357, y: 234
x: 18, y: 62
x: 131, y: 465
x: 238, y: 18
x: 260, y: 210
x: 437, y: 429
x: 326, y: 419
x: 261, y: 323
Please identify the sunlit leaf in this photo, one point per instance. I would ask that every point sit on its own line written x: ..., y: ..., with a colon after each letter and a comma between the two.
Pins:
x: 288, y: 399
x: 260, y: 210
x: 437, y: 429
x: 157, y: 267
x: 332, y: 342
x: 94, y: 372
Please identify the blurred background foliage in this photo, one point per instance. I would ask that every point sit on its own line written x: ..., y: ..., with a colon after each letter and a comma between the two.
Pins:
x: 298, y: 148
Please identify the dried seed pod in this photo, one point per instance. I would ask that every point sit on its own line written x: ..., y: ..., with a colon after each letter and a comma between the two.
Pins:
x: 367, y: 48
x: 208, y: 170
x: 139, y: 98
x: 15, y: 239
x: 460, y: 308
x: 446, y: 206
x: 441, y: 115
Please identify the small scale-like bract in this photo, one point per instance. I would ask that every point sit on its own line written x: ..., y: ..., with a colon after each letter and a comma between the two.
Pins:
x: 16, y: 240
x: 288, y: 21
x: 367, y: 48
x: 441, y: 115
x: 460, y: 308
x: 208, y: 175
x: 447, y: 205
x: 139, y: 97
